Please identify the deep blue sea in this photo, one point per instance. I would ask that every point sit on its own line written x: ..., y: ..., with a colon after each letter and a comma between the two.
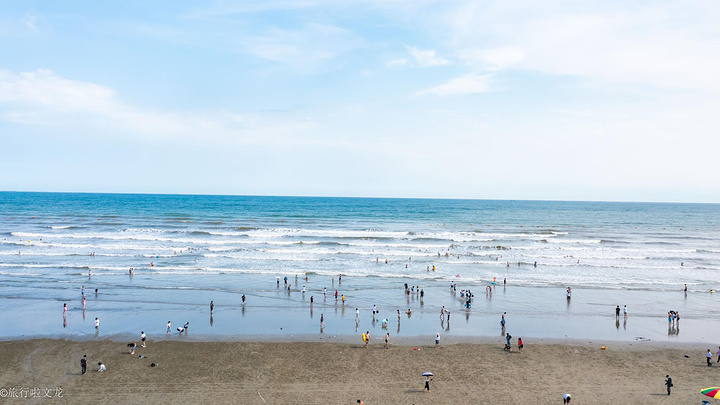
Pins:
x: 187, y: 249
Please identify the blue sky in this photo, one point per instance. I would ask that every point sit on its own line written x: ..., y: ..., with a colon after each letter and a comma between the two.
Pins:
x: 593, y: 100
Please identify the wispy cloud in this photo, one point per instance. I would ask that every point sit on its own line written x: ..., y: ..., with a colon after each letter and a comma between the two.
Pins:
x: 30, y: 21
x: 468, y: 84
x: 397, y: 62
x: 44, y: 98
x: 427, y: 57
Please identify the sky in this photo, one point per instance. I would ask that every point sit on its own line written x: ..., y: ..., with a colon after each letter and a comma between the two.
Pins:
x: 552, y: 100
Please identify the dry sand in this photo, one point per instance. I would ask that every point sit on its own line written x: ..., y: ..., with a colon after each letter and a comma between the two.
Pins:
x: 337, y: 373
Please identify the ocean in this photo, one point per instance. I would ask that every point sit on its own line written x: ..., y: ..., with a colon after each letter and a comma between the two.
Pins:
x: 189, y: 249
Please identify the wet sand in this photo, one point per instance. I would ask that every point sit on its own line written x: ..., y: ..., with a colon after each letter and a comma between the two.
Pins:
x: 341, y: 373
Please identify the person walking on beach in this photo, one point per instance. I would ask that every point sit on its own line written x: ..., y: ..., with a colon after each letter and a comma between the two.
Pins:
x: 437, y: 339
x: 142, y: 338
x: 427, y: 383
x: 617, y: 312
x: 97, y: 326
x: 357, y: 315
x: 366, y: 338
x: 168, y: 328
x: 442, y: 313
x: 83, y: 364
x: 212, y: 306
x: 343, y: 299
x: 336, y: 292
x: 387, y: 339
x: 625, y: 311
x: 322, y: 321
x: 398, y: 311
x: 668, y: 383
x: 709, y: 358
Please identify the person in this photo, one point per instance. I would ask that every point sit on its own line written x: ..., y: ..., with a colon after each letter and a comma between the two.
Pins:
x: 168, y: 328
x: 718, y: 353
x: 187, y: 325
x: 312, y: 299
x: 336, y: 292
x: 409, y: 312
x: 422, y: 293
x: 398, y: 313
x: 322, y: 321
x: 366, y: 338
x: 568, y: 293
x: 132, y: 347
x: 360, y: 401
x: 142, y: 338
x: 97, y: 325
x: 502, y: 320
x: 387, y: 339
x: 303, y: 290
x: 442, y: 313
x: 709, y: 357
x: 64, y: 309
x: 437, y: 339
x: 566, y: 399
x: 374, y: 310
x: 324, y: 292
x: 617, y: 312
x: 180, y: 330
x: 508, y: 346
x: 212, y: 306
x: 357, y: 315
x: 625, y: 311
x: 343, y: 299
x: 83, y: 364
x: 427, y: 383
x: 685, y: 287
x: 668, y: 383
x: 101, y: 367
x: 520, y: 345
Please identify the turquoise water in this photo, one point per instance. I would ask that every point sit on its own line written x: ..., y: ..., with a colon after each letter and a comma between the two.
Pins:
x: 221, y: 247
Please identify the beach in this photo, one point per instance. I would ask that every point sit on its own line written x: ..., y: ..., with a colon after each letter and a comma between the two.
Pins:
x: 272, y: 268
x: 342, y: 373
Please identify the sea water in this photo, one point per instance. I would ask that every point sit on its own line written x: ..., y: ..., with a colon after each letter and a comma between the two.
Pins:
x: 187, y: 250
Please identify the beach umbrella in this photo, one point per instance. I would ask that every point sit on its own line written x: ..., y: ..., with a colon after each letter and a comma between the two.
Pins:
x: 427, y: 374
x: 712, y: 392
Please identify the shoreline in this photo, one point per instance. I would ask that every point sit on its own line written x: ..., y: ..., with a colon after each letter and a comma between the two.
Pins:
x: 404, y: 341
x: 330, y: 372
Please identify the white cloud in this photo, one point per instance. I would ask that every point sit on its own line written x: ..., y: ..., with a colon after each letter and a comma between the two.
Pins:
x: 306, y: 47
x: 663, y: 44
x: 30, y: 21
x: 493, y: 59
x: 44, y: 98
x: 396, y: 62
x: 427, y: 57
x: 468, y: 84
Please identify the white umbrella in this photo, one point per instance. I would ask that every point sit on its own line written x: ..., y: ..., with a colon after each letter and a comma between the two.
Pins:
x: 427, y: 374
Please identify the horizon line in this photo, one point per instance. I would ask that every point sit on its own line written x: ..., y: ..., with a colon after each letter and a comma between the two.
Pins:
x: 348, y: 197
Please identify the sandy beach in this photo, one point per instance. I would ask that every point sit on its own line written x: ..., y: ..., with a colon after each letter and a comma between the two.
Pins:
x: 342, y: 373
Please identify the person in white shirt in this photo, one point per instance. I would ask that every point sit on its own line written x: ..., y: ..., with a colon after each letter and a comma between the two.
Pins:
x: 566, y: 399
x: 142, y: 337
x: 101, y: 367
x: 97, y: 325
x: 625, y: 311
